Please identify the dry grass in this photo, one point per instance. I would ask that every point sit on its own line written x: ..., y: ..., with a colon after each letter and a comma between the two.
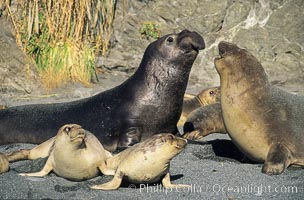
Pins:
x: 63, y: 36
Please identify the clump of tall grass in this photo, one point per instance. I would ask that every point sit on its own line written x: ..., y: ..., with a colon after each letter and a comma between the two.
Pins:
x: 63, y: 36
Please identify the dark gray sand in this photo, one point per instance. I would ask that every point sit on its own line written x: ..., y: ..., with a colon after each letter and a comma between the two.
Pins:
x: 215, y: 169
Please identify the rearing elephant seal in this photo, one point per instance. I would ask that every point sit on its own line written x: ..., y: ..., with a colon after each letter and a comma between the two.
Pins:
x: 75, y: 154
x: 265, y: 123
x: 205, y: 97
x: 145, y: 162
x: 149, y: 102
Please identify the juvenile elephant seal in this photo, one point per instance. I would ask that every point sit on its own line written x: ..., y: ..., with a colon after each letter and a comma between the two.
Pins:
x: 204, y: 121
x: 145, y: 162
x: 205, y: 97
x: 75, y: 154
x: 4, y: 164
x: 149, y: 102
x: 265, y: 123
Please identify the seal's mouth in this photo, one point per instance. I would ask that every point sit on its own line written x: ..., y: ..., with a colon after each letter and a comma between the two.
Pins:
x: 81, y: 136
x: 180, y: 143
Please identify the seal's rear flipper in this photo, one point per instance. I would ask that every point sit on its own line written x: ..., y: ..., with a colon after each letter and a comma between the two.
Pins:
x: 40, y: 151
x: 278, y: 159
x: 4, y: 164
x: 111, y: 185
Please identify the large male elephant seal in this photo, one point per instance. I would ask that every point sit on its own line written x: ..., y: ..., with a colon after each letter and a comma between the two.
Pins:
x: 149, y: 102
x: 265, y: 123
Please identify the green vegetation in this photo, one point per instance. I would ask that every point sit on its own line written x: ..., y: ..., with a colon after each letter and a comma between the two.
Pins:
x: 150, y: 30
x: 63, y: 37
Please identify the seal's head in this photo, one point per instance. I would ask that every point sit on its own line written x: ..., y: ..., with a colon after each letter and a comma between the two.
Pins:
x: 166, y: 145
x: 209, y: 96
x: 72, y: 134
x: 179, y: 50
x: 238, y: 64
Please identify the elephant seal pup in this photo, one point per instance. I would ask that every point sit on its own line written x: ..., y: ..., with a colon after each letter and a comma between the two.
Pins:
x: 4, y: 164
x: 204, y: 121
x: 76, y: 154
x: 149, y: 102
x: 265, y: 123
x: 145, y: 162
x: 205, y: 97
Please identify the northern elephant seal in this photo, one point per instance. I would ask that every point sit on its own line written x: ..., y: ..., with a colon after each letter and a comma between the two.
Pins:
x: 203, y: 121
x: 205, y: 97
x: 149, y: 102
x: 145, y: 162
x: 265, y: 123
x: 74, y: 154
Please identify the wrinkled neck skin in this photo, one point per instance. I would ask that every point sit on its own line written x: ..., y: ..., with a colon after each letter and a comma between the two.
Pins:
x: 236, y: 86
x: 161, y: 80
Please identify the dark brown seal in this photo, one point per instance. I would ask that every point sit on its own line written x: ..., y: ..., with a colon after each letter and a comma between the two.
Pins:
x: 149, y: 102
x: 265, y: 123
x: 203, y: 121
x: 205, y: 97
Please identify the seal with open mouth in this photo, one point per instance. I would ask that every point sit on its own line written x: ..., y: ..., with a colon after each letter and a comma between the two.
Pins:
x: 265, y: 123
x: 149, y: 102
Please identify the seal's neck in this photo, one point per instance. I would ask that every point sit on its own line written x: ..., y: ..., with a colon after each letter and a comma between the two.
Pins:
x: 157, y: 79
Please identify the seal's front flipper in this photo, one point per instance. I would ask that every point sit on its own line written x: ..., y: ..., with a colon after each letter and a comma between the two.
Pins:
x: 40, y: 151
x: 48, y: 167
x: 193, y: 135
x: 167, y: 183
x: 131, y: 137
x: 111, y: 185
x: 278, y: 159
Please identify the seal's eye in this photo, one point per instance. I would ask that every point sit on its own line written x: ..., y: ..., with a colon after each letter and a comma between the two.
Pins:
x: 67, y: 129
x: 170, y: 39
x: 211, y: 92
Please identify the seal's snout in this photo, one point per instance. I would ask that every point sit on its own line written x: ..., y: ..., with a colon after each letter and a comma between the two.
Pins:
x: 191, y: 40
x: 180, y: 143
x: 226, y: 47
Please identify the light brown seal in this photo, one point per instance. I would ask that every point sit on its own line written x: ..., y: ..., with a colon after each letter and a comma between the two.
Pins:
x: 145, y: 162
x: 75, y: 154
x: 265, y: 123
x: 204, y: 121
x: 205, y: 97
x: 4, y: 164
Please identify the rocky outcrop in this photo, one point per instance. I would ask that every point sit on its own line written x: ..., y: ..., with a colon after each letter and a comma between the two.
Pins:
x: 271, y: 29
x: 17, y: 71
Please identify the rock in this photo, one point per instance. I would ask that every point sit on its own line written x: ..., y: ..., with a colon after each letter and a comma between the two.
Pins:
x: 17, y: 71
x: 271, y: 29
